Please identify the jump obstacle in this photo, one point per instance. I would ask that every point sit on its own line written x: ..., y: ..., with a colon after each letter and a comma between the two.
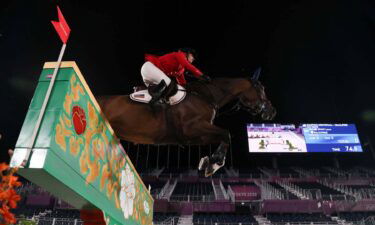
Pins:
x: 76, y: 155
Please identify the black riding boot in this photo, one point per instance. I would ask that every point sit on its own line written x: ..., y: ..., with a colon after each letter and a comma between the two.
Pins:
x: 157, y: 91
x: 171, y: 89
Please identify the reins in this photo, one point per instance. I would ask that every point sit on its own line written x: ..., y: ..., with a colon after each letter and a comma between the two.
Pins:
x: 233, y: 109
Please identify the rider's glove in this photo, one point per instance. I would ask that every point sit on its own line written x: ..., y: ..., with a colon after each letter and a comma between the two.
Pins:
x: 206, y: 78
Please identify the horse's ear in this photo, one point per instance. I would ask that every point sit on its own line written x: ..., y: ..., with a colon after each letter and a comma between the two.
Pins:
x: 256, y: 74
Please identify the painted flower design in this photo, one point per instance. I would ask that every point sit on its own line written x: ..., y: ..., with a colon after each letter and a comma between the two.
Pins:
x: 146, y: 207
x: 127, y: 193
x: 79, y: 119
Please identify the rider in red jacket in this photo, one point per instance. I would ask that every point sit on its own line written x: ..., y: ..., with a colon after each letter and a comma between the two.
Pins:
x: 157, y: 70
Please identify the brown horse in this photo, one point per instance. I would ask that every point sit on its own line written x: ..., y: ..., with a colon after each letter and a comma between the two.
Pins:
x: 189, y: 122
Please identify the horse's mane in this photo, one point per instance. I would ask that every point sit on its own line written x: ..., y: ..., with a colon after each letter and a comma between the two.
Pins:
x: 199, y: 86
x: 207, y: 89
x: 195, y: 85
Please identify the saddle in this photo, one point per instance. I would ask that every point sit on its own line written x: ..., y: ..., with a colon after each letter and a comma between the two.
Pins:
x: 141, y: 94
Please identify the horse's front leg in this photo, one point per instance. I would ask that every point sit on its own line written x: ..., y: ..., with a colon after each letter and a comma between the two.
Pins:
x: 210, y: 164
x: 210, y: 134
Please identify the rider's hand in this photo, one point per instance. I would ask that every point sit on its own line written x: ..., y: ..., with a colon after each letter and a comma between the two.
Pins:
x: 206, y: 78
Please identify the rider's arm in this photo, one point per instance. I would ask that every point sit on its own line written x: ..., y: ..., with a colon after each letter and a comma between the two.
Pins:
x: 186, y: 64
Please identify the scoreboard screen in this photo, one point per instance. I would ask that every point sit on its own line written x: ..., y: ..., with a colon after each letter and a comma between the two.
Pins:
x: 289, y: 138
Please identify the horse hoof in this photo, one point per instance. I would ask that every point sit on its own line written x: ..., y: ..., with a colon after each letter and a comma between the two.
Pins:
x: 203, y: 164
x: 222, y: 163
x: 212, y: 168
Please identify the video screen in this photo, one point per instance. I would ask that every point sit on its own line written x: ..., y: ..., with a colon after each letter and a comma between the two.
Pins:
x: 289, y: 138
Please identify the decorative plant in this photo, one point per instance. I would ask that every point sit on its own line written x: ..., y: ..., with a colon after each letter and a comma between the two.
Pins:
x: 8, y: 196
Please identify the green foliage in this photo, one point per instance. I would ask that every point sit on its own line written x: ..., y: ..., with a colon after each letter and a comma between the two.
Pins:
x: 26, y: 222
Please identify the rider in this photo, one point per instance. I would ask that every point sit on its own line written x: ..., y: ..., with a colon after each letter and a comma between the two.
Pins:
x: 157, y: 70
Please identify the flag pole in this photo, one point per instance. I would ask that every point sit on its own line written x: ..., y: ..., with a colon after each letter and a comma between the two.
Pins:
x: 45, y: 102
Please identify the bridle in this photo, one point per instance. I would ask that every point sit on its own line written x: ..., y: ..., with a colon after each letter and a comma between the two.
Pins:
x: 238, y: 105
x: 235, y: 108
x: 261, y: 103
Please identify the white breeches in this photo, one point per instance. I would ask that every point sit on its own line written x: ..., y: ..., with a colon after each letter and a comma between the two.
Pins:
x: 153, y: 75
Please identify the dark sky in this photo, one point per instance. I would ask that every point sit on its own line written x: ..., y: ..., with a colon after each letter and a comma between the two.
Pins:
x: 318, y: 57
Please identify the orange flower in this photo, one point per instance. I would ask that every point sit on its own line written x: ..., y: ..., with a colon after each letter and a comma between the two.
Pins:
x: 3, y: 166
x: 8, y: 196
x: 4, y: 195
x: 13, y: 199
x: 13, y: 181
x: 9, y: 217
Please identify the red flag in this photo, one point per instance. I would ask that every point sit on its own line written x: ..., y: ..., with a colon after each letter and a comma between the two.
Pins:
x: 61, y: 27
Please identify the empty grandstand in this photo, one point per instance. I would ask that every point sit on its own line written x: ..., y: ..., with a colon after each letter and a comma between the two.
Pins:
x: 183, y: 196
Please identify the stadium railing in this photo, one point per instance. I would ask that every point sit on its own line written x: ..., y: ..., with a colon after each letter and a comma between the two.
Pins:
x: 57, y: 221
x: 284, y: 223
x: 223, y: 223
x: 306, y: 223
x: 192, y: 198
x: 368, y: 221
x: 169, y: 221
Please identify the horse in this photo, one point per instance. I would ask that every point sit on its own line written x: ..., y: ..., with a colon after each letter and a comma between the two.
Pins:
x: 191, y: 121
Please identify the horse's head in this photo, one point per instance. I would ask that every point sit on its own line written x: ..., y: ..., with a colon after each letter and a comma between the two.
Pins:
x: 254, y: 100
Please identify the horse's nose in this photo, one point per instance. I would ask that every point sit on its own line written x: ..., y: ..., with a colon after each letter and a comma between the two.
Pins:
x: 273, y: 114
x: 269, y: 114
x: 260, y: 107
x: 265, y: 116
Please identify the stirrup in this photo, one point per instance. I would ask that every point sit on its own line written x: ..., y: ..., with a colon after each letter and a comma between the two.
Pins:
x: 155, y: 100
x: 157, y: 92
x: 158, y: 89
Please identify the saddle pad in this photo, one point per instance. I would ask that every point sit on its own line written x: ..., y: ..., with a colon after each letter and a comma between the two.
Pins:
x: 141, y: 96
x: 144, y: 97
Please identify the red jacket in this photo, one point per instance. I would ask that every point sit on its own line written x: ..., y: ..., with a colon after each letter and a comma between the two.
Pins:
x: 174, y: 65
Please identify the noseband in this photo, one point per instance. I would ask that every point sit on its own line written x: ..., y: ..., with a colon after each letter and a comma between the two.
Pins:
x: 261, y: 103
x: 238, y: 105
